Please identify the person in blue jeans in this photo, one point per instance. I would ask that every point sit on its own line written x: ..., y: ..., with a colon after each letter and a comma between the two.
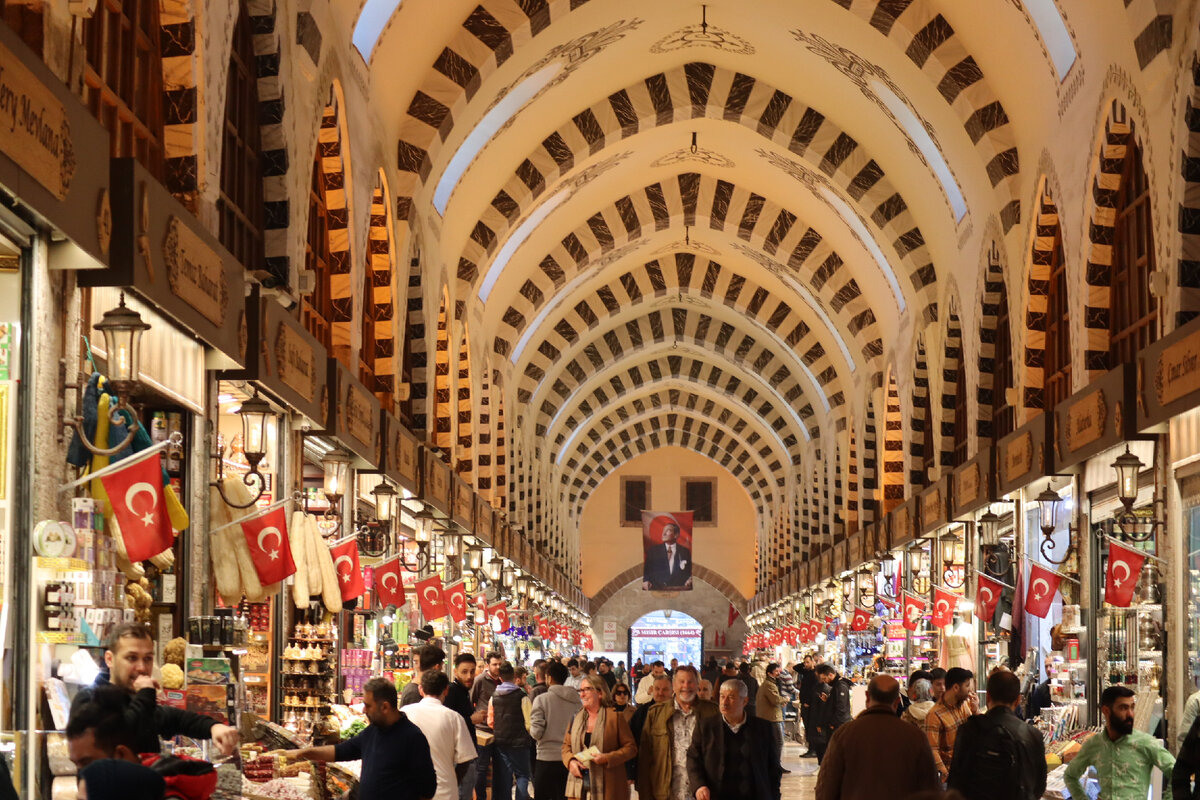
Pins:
x: 508, y: 717
x: 482, y: 689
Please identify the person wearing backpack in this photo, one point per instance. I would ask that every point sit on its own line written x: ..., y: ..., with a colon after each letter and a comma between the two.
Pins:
x: 997, y: 755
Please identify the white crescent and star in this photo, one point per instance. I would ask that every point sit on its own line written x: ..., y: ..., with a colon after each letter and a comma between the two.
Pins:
x: 913, y: 611
x: 395, y: 583
x: 431, y: 594
x: 1119, y: 564
x: 349, y: 567
x: 266, y: 533
x: 1036, y: 594
x: 131, y: 494
x: 458, y: 599
x: 942, y: 606
x: 986, y: 591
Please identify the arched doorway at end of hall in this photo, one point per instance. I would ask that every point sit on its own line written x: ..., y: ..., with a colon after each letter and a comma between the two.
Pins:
x: 666, y: 634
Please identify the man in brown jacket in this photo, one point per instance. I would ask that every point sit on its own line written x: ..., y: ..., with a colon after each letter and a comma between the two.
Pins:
x: 662, y: 750
x: 770, y: 705
x: 877, y: 754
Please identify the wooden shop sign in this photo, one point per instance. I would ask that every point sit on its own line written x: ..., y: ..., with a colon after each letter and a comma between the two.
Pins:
x: 435, y: 482
x: 41, y: 120
x: 1022, y: 456
x: 826, y: 565
x: 34, y: 129
x: 484, y: 524
x: 464, y: 505
x: 900, y: 523
x: 841, y: 557
x: 972, y: 484
x: 856, y: 550
x: 1094, y: 419
x: 1168, y: 378
x: 296, y: 358
x: 401, y: 454
x: 353, y: 416
x: 933, y: 506
x: 160, y: 252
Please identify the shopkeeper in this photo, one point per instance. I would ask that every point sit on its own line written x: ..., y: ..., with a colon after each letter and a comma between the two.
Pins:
x: 129, y: 659
x: 396, y: 763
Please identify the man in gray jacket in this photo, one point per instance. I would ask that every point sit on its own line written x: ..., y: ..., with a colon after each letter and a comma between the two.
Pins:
x: 548, y: 722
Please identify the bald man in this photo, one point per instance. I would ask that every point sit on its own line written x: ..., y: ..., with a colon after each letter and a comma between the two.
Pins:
x: 877, y: 754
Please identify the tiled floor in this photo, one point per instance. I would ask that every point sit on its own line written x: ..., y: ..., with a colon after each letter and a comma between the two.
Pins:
x: 802, y: 782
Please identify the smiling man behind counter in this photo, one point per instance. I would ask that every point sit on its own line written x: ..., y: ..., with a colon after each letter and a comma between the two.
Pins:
x: 130, y: 661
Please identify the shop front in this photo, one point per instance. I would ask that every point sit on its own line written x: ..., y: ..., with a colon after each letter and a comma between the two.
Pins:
x: 55, y: 217
x: 950, y: 620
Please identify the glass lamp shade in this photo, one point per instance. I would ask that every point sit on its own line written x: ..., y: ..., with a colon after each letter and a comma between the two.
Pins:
x: 337, y: 472
x: 474, y: 558
x: 494, y: 568
x: 122, y: 328
x: 989, y: 529
x: 1128, y: 467
x: 254, y: 413
x: 887, y: 566
x: 796, y: 605
x: 1048, y: 502
x: 508, y: 577
x: 424, y: 530
x: 523, y: 586
x: 452, y: 545
x: 385, y: 501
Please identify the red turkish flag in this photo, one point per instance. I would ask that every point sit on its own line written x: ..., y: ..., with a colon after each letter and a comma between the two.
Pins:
x: 1043, y: 583
x: 456, y: 601
x: 862, y: 618
x: 431, y: 598
x: 389, y: 584
x: 135, y: 495
x: 1124, y: 566
x: 987, y: 597
x: 267, y: 537
x: 543, y: 628
x: 345, y: 563
x: 733, y: 614
x: 913, y: 607
x: 944, y: 604
x: 499, y: 613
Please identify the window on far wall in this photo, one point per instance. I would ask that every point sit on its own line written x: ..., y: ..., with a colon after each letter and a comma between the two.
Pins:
x: 635, y: 498
x: 700, y: 497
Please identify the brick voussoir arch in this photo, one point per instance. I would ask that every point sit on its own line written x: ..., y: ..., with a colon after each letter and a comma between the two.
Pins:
x: 623, y: 424
x: 772, y: 236
x: 931, y: 43
x: 700, y: 90
x: 741, y: 345
x: 579, y: 397
x: 699, y: 572
x: 621, y: 452
x: 273, y: 139
x: 657, y: 283
x: 487, y: 38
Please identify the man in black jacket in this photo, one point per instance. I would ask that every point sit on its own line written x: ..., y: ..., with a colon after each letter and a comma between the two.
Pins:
x: 732, y: 753
x: 997, y: 754
x: 806, y: 685
x: 130, y: 662
x: 830, y: 712
x: 458, y: 698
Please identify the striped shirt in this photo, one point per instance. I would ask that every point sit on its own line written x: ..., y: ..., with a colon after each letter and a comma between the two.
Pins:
x: 941, y: 728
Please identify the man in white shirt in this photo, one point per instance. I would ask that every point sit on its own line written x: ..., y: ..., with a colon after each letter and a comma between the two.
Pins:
x: 451, y: 745
x: 646, y: 685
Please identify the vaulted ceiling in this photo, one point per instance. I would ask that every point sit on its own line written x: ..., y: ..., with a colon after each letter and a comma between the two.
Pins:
x: 719, y: 228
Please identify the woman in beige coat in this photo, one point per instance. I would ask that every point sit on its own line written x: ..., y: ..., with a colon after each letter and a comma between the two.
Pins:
x: 597, y: 725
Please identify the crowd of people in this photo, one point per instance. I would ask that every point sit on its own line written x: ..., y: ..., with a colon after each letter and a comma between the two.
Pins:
x: 574, y: 728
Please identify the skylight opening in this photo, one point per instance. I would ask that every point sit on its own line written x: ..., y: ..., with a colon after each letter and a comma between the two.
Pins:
x: 371, y: 21
x: 1054, y: 34
x: 492, y: 122
x: 515, y: 240
x: 916, y: 131
x: 856, y: 225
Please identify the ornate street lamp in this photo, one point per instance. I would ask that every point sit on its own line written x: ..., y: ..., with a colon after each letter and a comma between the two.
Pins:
x: 253, y: 414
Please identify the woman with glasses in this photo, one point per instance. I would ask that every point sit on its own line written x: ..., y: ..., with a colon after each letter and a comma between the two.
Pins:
x: 597, y: 745
x: 623, y: 700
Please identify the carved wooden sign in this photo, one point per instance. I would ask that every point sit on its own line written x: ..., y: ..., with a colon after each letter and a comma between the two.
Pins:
x: 436, y: 488
x: 902, y: 524
x: 360, y: 419
x: 34, y: 130
x: 933, y: 507
x: 464, y: 505
x: 856, y: 550
x: 967, y: 485
x: 1086, y: 421
x: 195, y: 272
x: 1168, y: 378
x: 1178, y: 371
x: 1017, y: 457
x: 483, y: 519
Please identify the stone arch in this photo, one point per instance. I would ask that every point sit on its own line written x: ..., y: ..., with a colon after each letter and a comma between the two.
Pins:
x: 838, y: 507
x: 414, y: 362
x: 273, y: 139
x: 774, y: 237
x: 499, y: 454
x: 1153, y: 20
x: 1046, y: 240
x: 921, y: 421
x: 634, y: 575
x: 331, y: 146
x: 1109, y: 162
x: 1188, y: 218
x: 893, y: 484
x: 464, y: 455
x: 992, y: 303
x: 182, y: 100
x: 851, y: 511
x: 379, y: 295
x: 870, y: 459
x: 953, y: 379
x: 444, y: 399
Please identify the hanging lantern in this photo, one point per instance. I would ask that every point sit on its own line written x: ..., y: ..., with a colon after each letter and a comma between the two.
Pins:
x: 337, y: 474
x: 1048, y: 504
x: 385, y: 502
x: 1128, y: 467
x: 254, y: 413
x: 989, y: 529
x: 122, y: 328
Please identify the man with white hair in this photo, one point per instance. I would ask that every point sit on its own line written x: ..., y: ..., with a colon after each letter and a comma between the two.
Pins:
x: 665, y: 737
x: 731, y: 754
